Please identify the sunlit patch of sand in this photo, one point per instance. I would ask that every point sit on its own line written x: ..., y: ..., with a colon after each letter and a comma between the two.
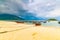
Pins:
x: 27, y: 32
x: 7, y: 25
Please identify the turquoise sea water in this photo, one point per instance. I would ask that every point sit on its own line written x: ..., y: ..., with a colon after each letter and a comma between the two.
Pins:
x: 51, y: 23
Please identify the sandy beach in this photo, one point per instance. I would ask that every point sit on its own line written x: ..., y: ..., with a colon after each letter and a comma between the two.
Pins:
x: 13, y: 31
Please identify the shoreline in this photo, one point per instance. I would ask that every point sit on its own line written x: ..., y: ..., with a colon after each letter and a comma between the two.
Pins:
x: 29, y: 32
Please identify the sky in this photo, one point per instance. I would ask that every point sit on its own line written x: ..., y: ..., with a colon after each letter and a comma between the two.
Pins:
x: 38, y: 8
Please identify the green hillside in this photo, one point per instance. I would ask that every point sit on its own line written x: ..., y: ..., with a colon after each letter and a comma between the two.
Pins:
x: 9, y: 17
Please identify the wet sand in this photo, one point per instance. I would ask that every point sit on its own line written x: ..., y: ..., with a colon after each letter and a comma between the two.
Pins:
x: 14, y: 31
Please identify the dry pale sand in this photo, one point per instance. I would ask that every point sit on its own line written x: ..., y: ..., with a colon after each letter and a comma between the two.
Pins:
x: 14, y: 31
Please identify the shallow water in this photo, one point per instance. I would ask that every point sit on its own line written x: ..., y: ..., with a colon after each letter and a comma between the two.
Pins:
x: 51, y: 23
